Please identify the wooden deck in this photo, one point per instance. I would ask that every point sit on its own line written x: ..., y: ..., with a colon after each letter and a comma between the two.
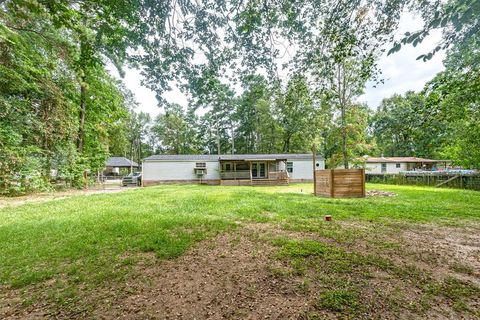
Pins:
x: 274, y: 179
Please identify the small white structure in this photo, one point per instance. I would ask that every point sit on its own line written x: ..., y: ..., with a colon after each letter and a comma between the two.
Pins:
x: 394, y: 165
x: 228, y: 169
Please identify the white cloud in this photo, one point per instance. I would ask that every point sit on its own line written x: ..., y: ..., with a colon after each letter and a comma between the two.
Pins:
x: 401, y: 71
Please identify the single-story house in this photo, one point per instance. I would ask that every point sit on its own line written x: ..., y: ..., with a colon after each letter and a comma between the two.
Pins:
x: 116, y: 166
x: 230, y: 169
x: 394, y: 165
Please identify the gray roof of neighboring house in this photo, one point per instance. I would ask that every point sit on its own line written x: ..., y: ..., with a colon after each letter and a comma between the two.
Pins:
x: 216, y: 157
x: 120, y: 162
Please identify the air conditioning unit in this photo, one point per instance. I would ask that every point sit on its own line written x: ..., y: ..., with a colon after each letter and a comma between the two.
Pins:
x: 200, y: 172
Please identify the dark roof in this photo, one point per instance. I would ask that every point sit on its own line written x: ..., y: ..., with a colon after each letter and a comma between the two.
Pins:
x: 216, y: 157
x: 399, y: 159
x: 120, y: 162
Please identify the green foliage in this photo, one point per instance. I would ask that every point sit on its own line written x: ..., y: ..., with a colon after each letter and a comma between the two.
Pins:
x: 173, y: 131
x: 454, y: 96
x: 355, y: 131
x: 257, y: 129
x: 407, y: 125
x: 263, y: 119
x: 40, y: 100
x: 457, y: 19
x: 299, y: 119
x: 443, y: 120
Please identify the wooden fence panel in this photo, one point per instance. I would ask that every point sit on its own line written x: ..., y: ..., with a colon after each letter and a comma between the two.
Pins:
x: 340, y: 183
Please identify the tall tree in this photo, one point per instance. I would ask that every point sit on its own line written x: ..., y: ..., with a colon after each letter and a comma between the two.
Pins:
x: 406, y: 125
x: 174, y: 134
x: 297, y: 117
x: 257, y: 128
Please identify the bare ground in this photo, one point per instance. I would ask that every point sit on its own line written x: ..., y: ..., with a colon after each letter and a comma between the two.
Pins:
x: 228, y: 277
x: 237, y: 276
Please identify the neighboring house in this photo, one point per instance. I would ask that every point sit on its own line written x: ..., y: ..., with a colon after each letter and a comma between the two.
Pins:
x: 394, y: 165
x: 117, y: 166
x: 230, y: 169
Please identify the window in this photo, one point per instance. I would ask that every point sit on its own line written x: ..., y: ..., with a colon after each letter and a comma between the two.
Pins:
x: 384, y: 167
x: 397, y: 165
x: 227, y: 166
x: 200, y: 165
x: 290, y: 167
x: 242, y: 166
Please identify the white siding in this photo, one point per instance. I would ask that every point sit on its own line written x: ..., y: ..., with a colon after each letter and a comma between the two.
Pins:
x: 158, y: 170
x: 391, y: 167
x: 302, y: 169
x: 155, y: 170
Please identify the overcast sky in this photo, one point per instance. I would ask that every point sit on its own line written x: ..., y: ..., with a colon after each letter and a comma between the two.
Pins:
x: 400, y: 71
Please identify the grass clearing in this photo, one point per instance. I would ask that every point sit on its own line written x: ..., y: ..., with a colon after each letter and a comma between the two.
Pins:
x: 57, y: 254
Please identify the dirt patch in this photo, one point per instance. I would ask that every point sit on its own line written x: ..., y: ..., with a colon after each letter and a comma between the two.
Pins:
x: 455, y: 249
x: 442, y: 249
x: 228, y: 277
x: 380, y: 193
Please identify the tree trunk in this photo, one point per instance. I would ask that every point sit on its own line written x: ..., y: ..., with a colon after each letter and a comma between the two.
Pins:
x: 83, y: 111
x: 233, y: 139
x: 139, y: 150
x: 218, y: 140
x: 286, y: 144
x: 344, y: 138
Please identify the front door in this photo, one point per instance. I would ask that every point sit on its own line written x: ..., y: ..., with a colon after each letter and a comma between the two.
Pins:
x: 259, y: 170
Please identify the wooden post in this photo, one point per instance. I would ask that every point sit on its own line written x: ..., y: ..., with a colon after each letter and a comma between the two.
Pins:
x: 363, y: 183
x: 314, y: 153
x: 250, y: 171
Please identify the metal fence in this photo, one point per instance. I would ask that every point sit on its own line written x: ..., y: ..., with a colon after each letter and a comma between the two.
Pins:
x: 444, y: 179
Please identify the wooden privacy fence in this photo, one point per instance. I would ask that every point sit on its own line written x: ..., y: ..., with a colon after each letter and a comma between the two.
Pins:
x: 340, y: 183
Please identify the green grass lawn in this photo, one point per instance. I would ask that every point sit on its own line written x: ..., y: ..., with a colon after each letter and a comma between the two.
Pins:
x: 86, y: 242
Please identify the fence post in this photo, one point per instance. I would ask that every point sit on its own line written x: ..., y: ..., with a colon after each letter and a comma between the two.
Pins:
x: 363, y: 182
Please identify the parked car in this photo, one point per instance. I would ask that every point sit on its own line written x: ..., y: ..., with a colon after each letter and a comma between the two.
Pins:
x: 132, y: 178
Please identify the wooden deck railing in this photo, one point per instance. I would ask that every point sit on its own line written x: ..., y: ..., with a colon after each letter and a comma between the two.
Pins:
x: 239, y: 174
x: 245, y: 174
x: 278, y: 175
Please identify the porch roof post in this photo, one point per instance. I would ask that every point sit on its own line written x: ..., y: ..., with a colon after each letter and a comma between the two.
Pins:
x: 250, y: 162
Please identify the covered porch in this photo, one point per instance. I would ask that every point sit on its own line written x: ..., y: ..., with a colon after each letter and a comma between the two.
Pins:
x: 253, y: 171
